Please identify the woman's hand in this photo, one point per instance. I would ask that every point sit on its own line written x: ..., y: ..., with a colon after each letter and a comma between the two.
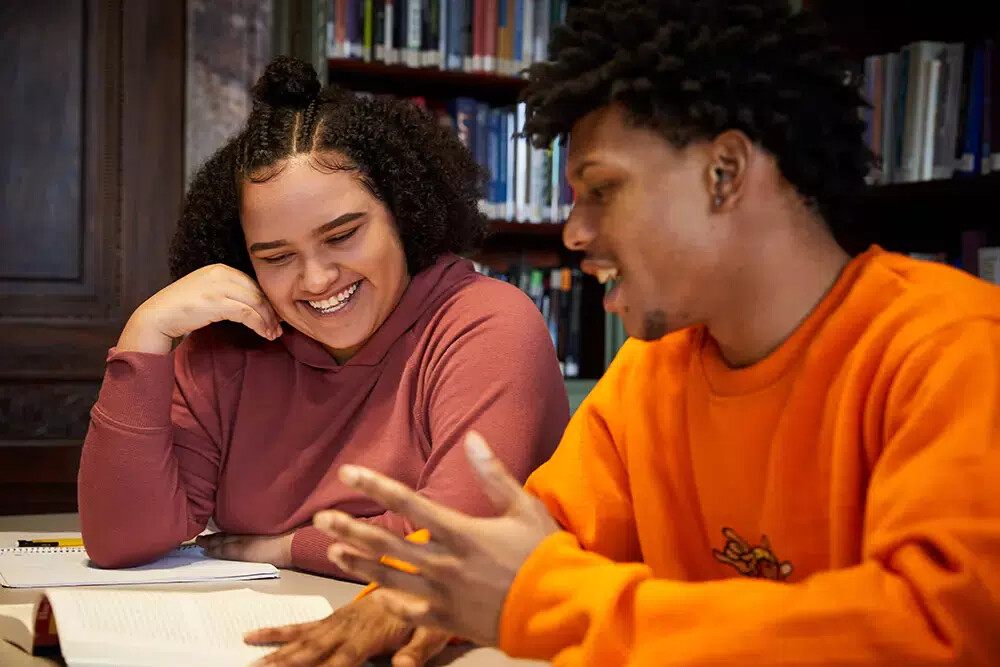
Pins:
x: 273, y: 549
x: 210, y: 294
x: 350, y: 636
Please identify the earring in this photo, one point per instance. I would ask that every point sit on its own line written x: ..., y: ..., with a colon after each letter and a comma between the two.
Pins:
x: 720, y: 177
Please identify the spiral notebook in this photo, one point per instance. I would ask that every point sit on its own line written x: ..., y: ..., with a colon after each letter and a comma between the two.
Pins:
x: 49, y: 567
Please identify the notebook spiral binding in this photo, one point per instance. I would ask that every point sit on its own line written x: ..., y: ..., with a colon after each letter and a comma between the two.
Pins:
x: 63, y: 550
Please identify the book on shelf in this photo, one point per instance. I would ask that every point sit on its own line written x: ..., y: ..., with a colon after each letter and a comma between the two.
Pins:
x: 557, y: 292
x: 497, y: 36
x: 989, y: 264
x: 526, y: 184
x: 932, y: 115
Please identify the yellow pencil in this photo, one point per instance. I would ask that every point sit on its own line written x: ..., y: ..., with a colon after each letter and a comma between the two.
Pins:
x: 52, y: 542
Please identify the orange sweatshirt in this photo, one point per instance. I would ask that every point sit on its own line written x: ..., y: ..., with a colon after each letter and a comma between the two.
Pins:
x: 836, y: 503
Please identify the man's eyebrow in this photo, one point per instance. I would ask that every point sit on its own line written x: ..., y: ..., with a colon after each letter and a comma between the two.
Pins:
x: 322, y: 229
x: 583, y: 166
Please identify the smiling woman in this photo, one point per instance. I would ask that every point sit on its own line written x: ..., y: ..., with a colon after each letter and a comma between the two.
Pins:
x: 326, y: 319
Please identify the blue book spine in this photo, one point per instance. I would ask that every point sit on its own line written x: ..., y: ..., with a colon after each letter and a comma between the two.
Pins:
x: 501, y: 193
x: 456, y: 19
x: 493, y: 151
x: 350, y: 27
x: 519, y: 32
x: 971, y: 162
x: 482, y: 135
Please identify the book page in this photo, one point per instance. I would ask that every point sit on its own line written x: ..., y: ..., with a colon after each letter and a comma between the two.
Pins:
x: 162, y: 627
x: 17, y: 622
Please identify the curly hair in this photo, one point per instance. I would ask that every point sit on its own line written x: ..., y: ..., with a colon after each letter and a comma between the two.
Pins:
x: 421, y: 171
x: 691, y: 69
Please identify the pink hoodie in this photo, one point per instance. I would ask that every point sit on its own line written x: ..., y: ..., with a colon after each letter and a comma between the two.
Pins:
x: 252, y: 432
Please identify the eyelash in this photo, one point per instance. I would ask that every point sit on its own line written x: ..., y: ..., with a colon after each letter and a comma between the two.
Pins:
x: 333, y: 240
x: 600, y: 192
x: 341, y: 237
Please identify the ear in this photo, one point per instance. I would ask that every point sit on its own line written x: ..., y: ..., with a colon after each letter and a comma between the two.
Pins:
x: 726, y: 176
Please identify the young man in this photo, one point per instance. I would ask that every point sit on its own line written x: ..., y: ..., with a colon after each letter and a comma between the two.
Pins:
x: 794, y: 461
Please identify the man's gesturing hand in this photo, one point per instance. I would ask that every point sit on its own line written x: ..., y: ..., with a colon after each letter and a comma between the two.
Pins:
x: 466, y: 569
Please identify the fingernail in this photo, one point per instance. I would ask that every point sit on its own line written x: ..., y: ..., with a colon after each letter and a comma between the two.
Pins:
x: 477, y: 448
x: 327, y: 519
x: 350, y: 475
x: 336, y: 554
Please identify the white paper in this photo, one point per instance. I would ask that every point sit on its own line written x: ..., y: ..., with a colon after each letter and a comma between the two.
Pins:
x: 167, y: 628
x: 50, y: 567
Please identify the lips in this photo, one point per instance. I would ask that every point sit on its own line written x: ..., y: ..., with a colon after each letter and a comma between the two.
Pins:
x: 336, y: 302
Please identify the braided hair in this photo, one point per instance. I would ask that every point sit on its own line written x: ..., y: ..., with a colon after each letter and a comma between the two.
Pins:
x: 691, y: 69
x: 402, y: 155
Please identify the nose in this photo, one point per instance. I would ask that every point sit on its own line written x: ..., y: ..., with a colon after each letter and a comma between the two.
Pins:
x: 317, y: 275
x: 577, y: 232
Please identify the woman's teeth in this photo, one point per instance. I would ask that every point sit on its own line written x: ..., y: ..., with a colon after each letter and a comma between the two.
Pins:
x: 336, y: 302
x: 604, y: 275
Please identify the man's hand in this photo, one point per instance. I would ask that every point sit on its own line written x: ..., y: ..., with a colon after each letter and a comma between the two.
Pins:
x: 469, y: 564
x: 273, y: 549
x: 349, y: 637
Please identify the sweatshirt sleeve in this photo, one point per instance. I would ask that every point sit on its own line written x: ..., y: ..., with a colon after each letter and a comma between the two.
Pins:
x: 927, y: 589
x: 586, y: 466
x: 150, y: 461
x: 492, y: 368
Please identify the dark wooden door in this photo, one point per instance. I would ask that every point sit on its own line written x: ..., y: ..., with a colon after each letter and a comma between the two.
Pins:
x: 91, y: 167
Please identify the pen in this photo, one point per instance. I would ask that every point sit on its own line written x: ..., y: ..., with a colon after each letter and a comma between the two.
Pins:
x: 52, y: 542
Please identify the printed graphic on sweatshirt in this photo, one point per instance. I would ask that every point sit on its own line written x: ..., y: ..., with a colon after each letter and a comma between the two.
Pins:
x: 756, y: 562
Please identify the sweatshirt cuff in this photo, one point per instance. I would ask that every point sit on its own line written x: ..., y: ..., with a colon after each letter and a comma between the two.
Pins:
x: 137, y: 390
x: 309, y: 549
x: 523, y: 599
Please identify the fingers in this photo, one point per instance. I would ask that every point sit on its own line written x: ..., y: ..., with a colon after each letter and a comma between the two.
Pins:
x: 444, y: 524
x: 499, y: 486
x: 385, y: 575
x: 305, y: 644
x: 253, y: 315
x: 425, y: 643
x: 365, y: 541
x: 223, y: 545
x: 347, y: 655
x: 412, y: 609
x: 279, y: 635
x: 246, y: 290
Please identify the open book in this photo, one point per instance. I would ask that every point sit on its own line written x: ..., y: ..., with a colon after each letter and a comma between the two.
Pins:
x: 153, y: 628
x: 46, y: 567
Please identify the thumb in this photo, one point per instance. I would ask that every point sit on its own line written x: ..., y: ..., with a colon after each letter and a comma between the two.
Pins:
x: 502, y: 489
x: 425, y: 643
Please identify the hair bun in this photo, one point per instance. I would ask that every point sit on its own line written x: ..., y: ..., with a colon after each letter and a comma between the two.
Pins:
x: 287, y: 82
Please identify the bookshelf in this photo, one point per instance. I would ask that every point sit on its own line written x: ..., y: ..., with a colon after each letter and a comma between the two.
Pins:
x: 511, y: 243
x: 404, y: 81
x: 950, y: 216
x: 953, y: 216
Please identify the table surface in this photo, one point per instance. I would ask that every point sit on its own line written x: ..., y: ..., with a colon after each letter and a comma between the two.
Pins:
x: 291, y: 582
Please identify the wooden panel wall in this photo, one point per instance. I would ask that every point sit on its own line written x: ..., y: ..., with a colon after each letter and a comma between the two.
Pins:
x: 91, y: 166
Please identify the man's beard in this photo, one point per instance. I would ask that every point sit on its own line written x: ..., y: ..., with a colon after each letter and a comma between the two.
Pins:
x: 654, y: 325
